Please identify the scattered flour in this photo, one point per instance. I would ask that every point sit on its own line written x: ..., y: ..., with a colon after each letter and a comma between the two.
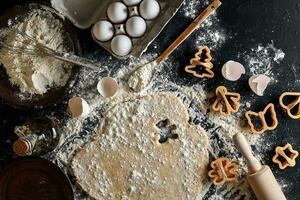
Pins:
x: 262, y: 59
x: 210, y: 33
x: 35, y: 74
x: 219, y: 129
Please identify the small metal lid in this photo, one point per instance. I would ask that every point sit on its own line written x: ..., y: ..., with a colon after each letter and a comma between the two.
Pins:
x: 22, y: 147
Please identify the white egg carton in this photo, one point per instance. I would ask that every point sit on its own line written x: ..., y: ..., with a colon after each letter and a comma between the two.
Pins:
x: 124, y: 27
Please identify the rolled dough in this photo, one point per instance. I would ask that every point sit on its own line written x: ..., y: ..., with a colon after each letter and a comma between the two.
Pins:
x: 126, y: 160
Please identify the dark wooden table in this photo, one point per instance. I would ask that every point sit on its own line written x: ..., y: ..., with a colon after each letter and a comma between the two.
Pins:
x: 250, y: 23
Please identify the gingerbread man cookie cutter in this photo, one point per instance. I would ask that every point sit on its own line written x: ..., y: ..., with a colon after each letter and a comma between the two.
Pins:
x: 262, y: 117
x: 293, y: 108
x: 226, y: 102
x: 202, y: 59
x: 290, y: 160
x: 222, y: 170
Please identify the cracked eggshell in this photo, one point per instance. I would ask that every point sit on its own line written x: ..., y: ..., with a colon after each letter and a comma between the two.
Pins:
x: 117, y: 12
x: 121, y: 45
x: 232, y: 70
x: 149, y: 9
x: 78, y: 107
x: 131, y: 2
x: 103, y: 30
x: 107, y: 87
x: 259, y: 83
x: 135, y: 26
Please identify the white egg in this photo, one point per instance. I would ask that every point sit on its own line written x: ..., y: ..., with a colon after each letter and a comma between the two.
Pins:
x: 107, y: 87
x: 149, y: 9
x: 78, y: 107
x: 121, y: 45
x: 131, y: 2
x: 117, y: 12
x: 135, y: 26
x: 103, y: 30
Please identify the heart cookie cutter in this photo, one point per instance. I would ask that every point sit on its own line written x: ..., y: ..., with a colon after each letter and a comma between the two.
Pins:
x: 288, y: 108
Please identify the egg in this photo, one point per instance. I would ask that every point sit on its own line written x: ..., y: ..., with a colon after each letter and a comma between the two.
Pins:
x: 135, y: 26
x: 78, y: 107
x: 131, y: 2
x: 107, y: 87
x: 121, y: 45
x: 149, y: 9
x: 117, y: 12
x: 103, y: 30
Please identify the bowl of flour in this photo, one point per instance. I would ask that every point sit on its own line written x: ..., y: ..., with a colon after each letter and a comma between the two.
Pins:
x: 30, y: 80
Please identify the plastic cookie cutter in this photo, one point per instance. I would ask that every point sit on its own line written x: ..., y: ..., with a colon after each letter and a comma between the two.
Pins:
x: 265, y: 126
x: 293, y: 108
x: 290, y: 158
x: 222, y: 171
x: 226, y: 102
x: 200, y: 66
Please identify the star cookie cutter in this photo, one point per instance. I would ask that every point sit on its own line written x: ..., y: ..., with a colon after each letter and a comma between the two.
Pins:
x: 202, y: 59
x: 262, y: 117
x: 293, y: 108
x: 226, y: 102
x: 223, y: 170
x: 290, y: 160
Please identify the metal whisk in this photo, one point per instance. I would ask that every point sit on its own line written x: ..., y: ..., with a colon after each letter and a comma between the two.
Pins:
x: 31, y: 46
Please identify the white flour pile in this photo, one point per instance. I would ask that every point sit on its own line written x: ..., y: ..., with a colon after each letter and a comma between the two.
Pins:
x: 35, y: 74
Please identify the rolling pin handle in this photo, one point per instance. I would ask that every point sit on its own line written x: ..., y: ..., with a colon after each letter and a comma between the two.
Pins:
x: 243, y: 146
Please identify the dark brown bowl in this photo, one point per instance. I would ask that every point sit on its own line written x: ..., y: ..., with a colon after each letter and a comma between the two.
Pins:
x: 11, y: 93
x: 34, y: 179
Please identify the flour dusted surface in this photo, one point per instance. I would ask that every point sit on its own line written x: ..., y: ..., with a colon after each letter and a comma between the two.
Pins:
x: 35, y: 74
x: 126, y: 160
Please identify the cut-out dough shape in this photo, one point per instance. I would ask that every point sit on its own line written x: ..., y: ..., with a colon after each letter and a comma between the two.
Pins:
x: 226, y: 102
x: 262, y: 117
x: 222, y: 171
x: 259, y: 83
x: 232, y: 70
x: 125, y: 160
x: 295, y: 105
x: 201, y: 60
x: 290, y: 159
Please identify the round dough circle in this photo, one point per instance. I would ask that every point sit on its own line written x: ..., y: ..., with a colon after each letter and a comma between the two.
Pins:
x: 121, y: 45
x: 117, y: 12
x: 103, y: 30
x: 149, y: 9
x: 126, y: 160
x: 135, y: 26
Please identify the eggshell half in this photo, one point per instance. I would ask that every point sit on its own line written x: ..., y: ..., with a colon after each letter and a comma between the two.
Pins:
x: 232, y: 70
x: 78, y: 107
x: 259, y: 83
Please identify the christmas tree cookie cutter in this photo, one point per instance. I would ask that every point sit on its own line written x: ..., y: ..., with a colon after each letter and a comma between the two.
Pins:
x: 201, y: 60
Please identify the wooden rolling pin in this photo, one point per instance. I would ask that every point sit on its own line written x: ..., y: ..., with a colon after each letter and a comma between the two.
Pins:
x: 260, y: 177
